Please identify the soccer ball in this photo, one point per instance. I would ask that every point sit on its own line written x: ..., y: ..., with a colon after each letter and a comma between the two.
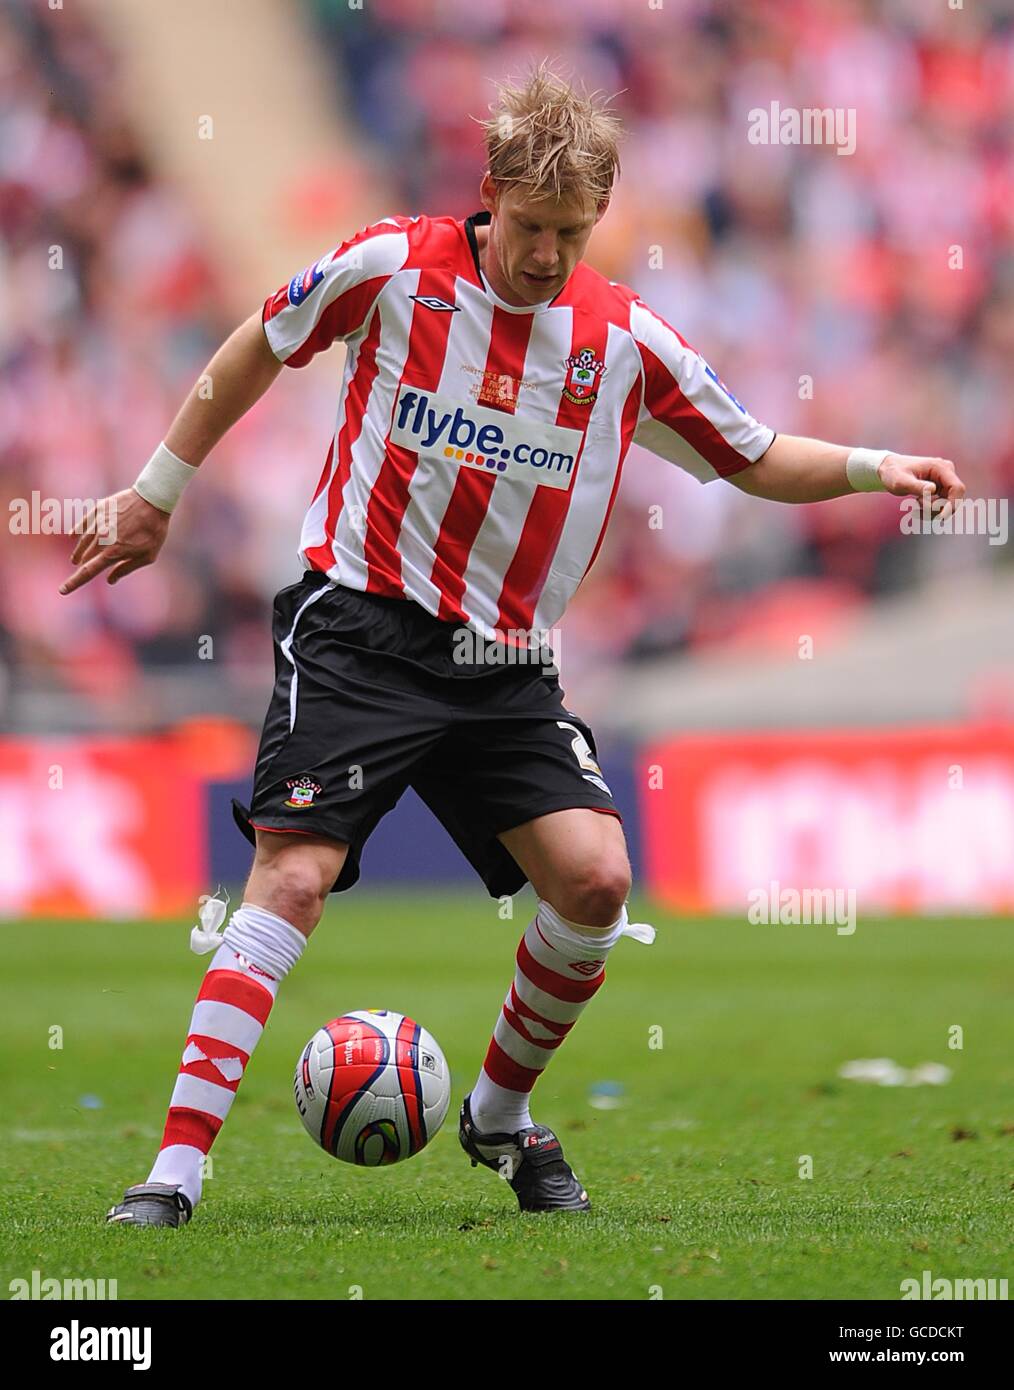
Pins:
x: 372, y: 1087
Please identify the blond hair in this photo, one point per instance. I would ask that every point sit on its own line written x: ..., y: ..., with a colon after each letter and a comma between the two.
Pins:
x: 551, y: 138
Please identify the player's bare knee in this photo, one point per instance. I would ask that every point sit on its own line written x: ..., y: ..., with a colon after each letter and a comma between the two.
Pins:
x: 293, y: 880
x: 299, y: 895
x: 594, y: 897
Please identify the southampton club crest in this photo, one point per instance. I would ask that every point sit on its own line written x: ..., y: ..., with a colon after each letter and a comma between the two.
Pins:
x: 584, y: 375
x: 302, y: 790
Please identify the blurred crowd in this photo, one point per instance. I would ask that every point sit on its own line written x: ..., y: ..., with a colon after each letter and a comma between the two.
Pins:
x: 110, y: 307
x: 866, y: 298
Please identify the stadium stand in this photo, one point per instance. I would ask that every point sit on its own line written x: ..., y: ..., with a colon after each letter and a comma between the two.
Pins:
x: 820, y: 287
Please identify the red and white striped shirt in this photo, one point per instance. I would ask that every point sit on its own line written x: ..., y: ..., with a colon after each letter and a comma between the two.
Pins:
x: 478, y: 445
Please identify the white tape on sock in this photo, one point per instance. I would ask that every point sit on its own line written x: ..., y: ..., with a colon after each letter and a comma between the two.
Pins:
x: 565, y: 935
x: 266, y: 940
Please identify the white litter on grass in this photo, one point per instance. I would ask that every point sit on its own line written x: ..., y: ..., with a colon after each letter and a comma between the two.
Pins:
x: 882, y: 1071
x: 606, y: 1095
x: 929, y: 1074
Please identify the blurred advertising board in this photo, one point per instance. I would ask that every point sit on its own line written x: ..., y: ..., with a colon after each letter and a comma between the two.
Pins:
x: 914, y: 820
x: 113, y: 828
x: 139, y: 827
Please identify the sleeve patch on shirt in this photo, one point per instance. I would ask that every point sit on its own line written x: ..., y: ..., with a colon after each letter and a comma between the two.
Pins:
x: 304, y: 284
x: 722, y: 386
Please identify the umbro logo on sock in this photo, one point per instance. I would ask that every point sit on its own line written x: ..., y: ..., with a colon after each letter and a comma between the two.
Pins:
x: 247, y: 964
x: 587, y: 967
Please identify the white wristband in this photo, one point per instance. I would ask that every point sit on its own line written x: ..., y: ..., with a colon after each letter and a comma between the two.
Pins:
x: 862, y: 468
x: 162, y: 479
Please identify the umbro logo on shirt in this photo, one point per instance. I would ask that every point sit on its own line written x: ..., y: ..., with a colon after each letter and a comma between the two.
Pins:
x: 431, y: 301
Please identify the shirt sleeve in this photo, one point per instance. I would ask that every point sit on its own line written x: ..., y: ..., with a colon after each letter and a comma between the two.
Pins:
x: 688, y: 415
x: 334, y: 297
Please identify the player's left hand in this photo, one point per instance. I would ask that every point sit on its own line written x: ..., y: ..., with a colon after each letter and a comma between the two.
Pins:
x: 909, y: 475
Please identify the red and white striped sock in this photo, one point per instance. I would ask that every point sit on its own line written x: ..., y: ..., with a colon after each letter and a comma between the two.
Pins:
x: 560, y: 965
x: 258, y: 950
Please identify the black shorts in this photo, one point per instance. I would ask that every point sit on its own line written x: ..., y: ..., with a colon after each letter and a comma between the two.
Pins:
x: 369, y: 700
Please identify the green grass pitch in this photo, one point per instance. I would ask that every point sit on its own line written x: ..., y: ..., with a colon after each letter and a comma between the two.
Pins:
x: 694, y: 1177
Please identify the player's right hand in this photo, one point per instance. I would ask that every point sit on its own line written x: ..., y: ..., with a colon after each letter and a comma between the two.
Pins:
x: 121, y: 534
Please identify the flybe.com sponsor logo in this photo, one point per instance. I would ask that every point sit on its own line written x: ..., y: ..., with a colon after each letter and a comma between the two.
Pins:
x: 508, y: 445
